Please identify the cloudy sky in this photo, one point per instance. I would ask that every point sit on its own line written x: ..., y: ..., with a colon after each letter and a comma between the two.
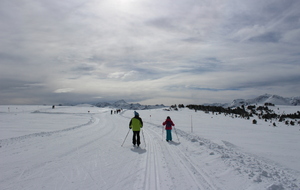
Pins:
x: 148, y: 51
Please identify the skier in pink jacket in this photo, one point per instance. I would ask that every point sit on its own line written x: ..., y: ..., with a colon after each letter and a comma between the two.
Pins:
x: 168, y: 123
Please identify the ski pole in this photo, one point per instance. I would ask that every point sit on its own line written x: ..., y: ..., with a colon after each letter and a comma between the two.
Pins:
x: 125, y: 137
x: 143, y: 137
x: 162, y: 133
x: 176, y: 133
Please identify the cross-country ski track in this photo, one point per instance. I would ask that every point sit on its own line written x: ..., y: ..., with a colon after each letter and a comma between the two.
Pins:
x: 90, y: 156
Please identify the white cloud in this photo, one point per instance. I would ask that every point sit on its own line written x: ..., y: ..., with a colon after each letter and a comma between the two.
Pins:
x: 116, y: 75
x: 248, y: 32
x: 64, y: 90
x: 131, y: 75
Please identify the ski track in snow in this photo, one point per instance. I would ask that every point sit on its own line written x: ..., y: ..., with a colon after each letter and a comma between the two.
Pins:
x: 89, y: 156
x: 254, y: 167
x: 171, y: 162
x: 4, y: 142
x: 177, y: 161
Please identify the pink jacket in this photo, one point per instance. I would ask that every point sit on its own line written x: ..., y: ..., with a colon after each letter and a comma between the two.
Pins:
x: 168, y: 123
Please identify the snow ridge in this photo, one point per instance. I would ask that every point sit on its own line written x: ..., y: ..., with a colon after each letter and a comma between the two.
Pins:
x: 266, y: 98
x: 257, y: 169
x: 42, y: 134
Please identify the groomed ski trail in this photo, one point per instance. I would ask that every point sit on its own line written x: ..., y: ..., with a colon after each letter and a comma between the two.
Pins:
x: 164, y: 165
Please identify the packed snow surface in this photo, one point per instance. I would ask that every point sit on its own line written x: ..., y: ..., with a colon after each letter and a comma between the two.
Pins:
x: 80, y: 148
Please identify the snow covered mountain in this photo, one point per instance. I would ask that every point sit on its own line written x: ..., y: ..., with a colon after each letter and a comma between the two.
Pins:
x: 124, y: 105
x: 266, y: 98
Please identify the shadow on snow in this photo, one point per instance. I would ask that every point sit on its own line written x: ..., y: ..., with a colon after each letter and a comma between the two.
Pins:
x: 138, y: 150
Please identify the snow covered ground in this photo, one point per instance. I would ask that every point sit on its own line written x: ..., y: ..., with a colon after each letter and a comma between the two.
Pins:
x: 79, y: 147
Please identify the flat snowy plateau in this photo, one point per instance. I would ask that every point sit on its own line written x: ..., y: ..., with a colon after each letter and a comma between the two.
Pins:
x: 79, y: 147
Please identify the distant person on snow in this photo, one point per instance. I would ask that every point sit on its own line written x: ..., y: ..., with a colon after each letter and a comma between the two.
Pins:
x: 136, y: 124
x: 168, y: 123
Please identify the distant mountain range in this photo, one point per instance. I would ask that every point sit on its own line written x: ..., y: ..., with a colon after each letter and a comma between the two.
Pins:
x: 266, y: 98
x: 124, y: 105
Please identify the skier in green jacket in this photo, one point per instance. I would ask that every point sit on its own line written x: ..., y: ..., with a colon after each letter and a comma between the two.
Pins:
x: 136, y: 124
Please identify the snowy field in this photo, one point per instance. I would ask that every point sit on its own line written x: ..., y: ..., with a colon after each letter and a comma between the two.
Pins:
x: 80, y: 148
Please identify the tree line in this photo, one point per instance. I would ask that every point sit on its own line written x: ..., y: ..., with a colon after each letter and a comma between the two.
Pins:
x: 262, y: 112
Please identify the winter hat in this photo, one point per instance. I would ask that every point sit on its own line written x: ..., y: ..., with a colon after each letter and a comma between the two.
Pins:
x: 136, y: 113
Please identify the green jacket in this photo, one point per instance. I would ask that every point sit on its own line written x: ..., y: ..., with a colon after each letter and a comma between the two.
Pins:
x: 136, y: 123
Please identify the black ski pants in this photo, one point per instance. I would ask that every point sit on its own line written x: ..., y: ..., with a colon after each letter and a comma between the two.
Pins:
x: 136, y: 138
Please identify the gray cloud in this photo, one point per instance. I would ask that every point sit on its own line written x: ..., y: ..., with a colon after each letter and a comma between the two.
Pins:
x: 152, y: 51
x: 267, y: 37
